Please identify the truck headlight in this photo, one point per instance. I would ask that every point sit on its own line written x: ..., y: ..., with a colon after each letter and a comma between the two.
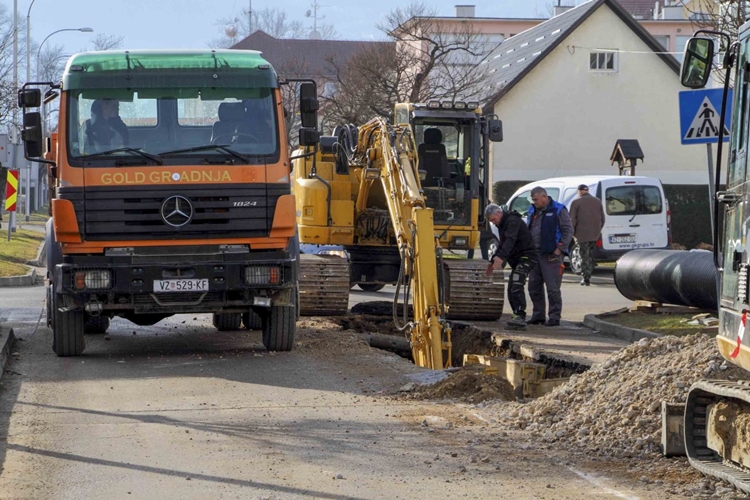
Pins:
x: 263, y: 275
x: 93, y: 279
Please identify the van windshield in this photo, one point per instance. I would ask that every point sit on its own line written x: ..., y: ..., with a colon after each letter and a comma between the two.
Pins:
x: 633, y: 200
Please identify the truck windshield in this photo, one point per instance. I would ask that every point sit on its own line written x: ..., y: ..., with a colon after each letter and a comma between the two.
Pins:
x: 172, y: 125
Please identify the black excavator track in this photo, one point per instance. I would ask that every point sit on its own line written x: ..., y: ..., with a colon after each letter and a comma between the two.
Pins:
x: 702, y: 394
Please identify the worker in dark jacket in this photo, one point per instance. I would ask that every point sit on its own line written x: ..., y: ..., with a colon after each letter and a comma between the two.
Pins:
x: 587, y: 216
x: 517, y: 249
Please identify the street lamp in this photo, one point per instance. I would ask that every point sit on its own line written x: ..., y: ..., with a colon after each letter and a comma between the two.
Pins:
x: 28, y: 78
x: 39, y: 52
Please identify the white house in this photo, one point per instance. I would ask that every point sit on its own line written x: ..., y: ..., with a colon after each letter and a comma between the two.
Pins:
x: 570, y: 87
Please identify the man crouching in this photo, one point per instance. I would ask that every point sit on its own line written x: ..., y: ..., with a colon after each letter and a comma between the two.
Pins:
x: 517, y: 249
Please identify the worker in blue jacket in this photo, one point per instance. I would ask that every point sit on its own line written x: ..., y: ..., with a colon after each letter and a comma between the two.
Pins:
x: 552, y: 232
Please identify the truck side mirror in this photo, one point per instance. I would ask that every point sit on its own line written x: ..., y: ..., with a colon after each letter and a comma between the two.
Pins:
x: 308, y: 105
x: 696, y: 62
x: 32, y: 135
x: 495, y: 130
x: 29, y: 98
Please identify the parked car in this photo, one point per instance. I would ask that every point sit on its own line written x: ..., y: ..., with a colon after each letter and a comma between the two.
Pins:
x: 636, y: 212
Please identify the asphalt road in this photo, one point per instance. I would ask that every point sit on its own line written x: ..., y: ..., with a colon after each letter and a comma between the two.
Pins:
x: 179, y: 410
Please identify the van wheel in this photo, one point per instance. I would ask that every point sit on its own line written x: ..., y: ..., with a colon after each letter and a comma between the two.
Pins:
x: 576, y: 262
x: 492, y: 248
x: 226, y: 322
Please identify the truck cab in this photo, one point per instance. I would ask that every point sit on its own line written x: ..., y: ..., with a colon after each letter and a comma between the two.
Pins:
x: 171, y: 192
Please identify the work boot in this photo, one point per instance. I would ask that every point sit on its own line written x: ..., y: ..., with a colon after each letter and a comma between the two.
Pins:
x: 535, y: 321
x: 517, y: 322
x: 552, y: 322
x: 585, y: 282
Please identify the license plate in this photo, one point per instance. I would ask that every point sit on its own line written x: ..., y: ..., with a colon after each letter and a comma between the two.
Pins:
x: 164, y: 286
x: 621, y: 238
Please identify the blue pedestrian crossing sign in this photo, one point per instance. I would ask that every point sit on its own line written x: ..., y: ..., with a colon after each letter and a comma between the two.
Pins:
x: 699, y: 116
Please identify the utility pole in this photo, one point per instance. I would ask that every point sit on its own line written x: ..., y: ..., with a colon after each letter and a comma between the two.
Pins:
x: 28, y: 79
x: 14, y: 123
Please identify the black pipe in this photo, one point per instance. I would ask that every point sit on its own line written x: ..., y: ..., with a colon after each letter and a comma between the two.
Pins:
x: 669, y: 277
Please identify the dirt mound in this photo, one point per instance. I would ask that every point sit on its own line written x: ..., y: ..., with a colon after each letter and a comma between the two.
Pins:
x: 615, y: 408
x: 469, y: 385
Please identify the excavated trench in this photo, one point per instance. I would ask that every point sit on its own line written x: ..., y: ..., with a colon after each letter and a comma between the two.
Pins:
x: 376, y: 319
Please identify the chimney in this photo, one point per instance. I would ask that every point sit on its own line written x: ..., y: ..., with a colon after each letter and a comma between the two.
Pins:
x: 656, y: 10
x: 465, y: 10
x: 559, y: 9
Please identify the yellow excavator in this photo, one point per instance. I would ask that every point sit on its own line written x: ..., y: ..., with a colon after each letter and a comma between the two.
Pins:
x: 394, y: 196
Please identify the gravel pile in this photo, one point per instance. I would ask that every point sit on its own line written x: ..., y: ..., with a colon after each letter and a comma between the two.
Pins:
x: 614, y: 409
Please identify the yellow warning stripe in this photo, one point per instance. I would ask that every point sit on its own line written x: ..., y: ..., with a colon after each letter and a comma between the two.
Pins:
x: 12, y: 180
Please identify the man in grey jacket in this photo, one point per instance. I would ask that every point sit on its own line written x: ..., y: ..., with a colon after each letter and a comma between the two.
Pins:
x: 552, y: 233
x: 587, y: 216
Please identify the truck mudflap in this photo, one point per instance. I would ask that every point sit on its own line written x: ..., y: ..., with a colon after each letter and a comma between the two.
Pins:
x: 131, y: 286
x: 708, y: 427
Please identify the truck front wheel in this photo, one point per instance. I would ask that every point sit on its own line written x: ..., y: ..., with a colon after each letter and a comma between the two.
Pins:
x: 279, y: 327
x: 67, y: 329
x: 252, y: 321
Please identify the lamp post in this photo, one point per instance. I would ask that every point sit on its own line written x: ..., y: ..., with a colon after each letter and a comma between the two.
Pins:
x: 39, y: 51
x: 28, y: 77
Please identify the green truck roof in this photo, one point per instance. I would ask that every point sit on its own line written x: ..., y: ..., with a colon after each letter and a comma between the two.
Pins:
x: 135, y: 68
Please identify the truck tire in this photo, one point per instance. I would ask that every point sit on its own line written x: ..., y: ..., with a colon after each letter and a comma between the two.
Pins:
x: 96, y: 325
x: 226, y: 322
x: 252, y: 321
x: 279, y: 327
x: 67, y: 330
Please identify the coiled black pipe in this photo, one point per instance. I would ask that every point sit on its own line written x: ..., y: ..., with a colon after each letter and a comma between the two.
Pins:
x: 669, y: 277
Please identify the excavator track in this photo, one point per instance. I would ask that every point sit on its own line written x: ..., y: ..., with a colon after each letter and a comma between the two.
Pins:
x: 472, y: 295
x: 323, y: 285
x: 703, y: 395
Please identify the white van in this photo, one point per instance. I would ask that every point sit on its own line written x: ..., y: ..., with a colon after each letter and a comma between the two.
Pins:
x: 636, y: 212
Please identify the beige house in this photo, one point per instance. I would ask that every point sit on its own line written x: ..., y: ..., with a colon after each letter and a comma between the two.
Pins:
x: 570, y: 87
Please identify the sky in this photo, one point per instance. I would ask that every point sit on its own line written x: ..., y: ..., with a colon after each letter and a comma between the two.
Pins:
x: 192, y: 24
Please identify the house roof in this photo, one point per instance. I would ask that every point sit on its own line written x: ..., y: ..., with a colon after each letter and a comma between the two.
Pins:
x: 303, y: 57
x: 518, y: 55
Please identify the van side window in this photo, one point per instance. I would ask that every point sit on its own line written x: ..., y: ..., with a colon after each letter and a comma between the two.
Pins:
x: 522, y: 202
x: 633, y: 200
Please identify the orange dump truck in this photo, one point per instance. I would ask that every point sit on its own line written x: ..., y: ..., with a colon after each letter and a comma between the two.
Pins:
x: 171, y: 179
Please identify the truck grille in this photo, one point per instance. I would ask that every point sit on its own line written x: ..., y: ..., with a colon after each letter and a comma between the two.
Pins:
x: 135, y: 212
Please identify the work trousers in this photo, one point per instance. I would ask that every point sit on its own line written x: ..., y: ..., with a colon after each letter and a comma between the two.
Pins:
x: 546, y: 274
x: 587, y: 258
x: 516, y: 286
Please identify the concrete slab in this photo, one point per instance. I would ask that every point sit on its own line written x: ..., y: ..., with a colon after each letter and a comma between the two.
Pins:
x: 570, y: 342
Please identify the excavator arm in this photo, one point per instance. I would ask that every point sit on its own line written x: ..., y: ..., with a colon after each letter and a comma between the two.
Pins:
x: 387, y: 154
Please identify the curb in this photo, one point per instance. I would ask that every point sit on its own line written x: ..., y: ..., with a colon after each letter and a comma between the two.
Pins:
x: 41, y: 253
x: 7, y: 340
x: 25, y: 280
x: 618, y: 331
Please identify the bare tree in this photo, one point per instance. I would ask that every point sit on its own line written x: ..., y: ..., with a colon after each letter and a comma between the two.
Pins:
x: 273, y: 21
x: 726, y: 16
x: 102, y: 41
x: 424, y: 60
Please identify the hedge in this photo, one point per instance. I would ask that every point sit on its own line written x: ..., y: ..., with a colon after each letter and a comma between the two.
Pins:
x: 688, y: 203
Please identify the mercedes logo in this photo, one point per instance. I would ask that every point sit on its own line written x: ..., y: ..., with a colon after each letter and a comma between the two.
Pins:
x: 177, y: 211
